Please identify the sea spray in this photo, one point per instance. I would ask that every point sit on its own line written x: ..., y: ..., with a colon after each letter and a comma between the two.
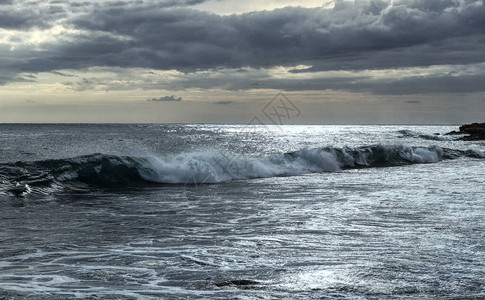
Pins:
x: 205, y: 167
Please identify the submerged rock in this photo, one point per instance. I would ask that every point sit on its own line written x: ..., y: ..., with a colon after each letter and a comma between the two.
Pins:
x: 475, y: 131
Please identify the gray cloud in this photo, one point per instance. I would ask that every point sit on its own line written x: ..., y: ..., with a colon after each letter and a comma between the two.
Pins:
x: 166, y: 99
x: 62, y: 74
x: 82, y: 85
x: 426, y: 85
x: 456, y: 50
x: 20, y: 19
x: 405, y: 86
x: 166, y: 35
x: 351, y: 32
x: 436, y: 80
x: 442, y: 84
x: 410, y: 85
x: 23, y: 15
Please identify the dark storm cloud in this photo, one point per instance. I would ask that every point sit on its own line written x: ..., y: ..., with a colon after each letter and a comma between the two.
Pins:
x: 165, y: 35
x: 22, y: 15
x: 20, y: 19
x: 8, y: 76
x: 459, y: 50
x: 365, y: 34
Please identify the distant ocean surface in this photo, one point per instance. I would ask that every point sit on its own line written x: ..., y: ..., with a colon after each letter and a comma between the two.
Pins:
x: 240, y: 212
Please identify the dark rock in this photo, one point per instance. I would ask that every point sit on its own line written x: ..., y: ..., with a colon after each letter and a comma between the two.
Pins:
x: 475, y: 131
x: 473, y: 137
x: 475, y: 128
x: 454, y: 132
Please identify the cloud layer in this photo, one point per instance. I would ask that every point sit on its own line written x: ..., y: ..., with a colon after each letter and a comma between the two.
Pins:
x: 170, y: 35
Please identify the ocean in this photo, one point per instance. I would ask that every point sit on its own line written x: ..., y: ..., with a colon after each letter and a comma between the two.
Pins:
x: 149, y: 211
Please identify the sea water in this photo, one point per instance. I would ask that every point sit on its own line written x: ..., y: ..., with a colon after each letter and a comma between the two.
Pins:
x: 148, y: 211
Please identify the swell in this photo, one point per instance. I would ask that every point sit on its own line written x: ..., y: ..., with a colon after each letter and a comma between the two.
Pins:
x: 119, y: 172
x: 431, y: 137
x: 75, y: 174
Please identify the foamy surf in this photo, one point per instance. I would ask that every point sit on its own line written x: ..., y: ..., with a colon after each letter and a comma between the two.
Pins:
x: 431, y: 137
x: 201, y: 167
x: 377, y: 206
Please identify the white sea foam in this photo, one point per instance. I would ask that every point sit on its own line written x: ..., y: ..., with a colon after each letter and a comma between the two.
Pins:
x: 210, y: 167
x: 423, y: 155
x: 213, y: 167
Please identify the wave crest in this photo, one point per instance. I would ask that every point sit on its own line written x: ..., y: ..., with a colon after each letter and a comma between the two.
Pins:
x: 110, y: 171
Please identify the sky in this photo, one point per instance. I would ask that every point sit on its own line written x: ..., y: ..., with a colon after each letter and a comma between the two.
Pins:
x: 231, y: 61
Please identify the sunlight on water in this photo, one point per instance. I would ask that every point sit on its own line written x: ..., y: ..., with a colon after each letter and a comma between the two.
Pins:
x: 351, y: 212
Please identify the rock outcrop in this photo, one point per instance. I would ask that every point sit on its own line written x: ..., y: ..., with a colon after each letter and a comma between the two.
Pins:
x: 474, y: 131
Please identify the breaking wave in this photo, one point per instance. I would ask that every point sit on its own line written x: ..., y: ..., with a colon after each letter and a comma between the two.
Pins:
x: 110, y: 171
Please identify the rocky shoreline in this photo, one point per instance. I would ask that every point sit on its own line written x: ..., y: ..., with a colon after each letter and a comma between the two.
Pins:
x: 474, y: 131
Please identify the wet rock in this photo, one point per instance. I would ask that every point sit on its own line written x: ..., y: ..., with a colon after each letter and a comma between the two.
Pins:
x: 454, y: 132
x: 474, y: 131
